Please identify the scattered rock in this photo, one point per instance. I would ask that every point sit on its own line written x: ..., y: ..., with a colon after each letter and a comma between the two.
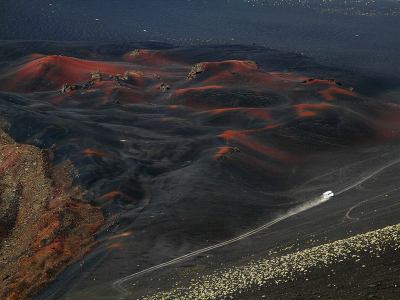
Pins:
x: 164, y: 87
x: 309, y: 79
x: 134, y: 52
x: 333, y: 81
x: 196, y: 69
x: 97, y: 76
x: 133, y: 72
x: 253, y: 63
x: 65, y: 88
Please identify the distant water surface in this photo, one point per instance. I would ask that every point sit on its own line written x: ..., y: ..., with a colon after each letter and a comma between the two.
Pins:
x: 361, y: 34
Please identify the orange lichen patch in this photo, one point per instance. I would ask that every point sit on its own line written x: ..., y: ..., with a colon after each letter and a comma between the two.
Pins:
x: 272, y: 126
x: 225, y: 110
x: 310, y: 110
x: 224, y: 151
x: 111, y: 195
x: 53, y: 71
x: 329, y: 93
x: 120, y: 246
x: 89, y: 153
x: 234, y: 134
x: 231, y: 134
x: 260, y: 113
x: 201, y: 88
x: 120, y: 195
x: 50, y: 228
x: 244, y: 138
x: 120, y: 235
x: 307, y: 113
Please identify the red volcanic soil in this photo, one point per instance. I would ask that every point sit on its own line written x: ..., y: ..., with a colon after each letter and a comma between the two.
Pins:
x: 219, y: 90
x: 44, y: 223
x: 150, y: 76
x: 222, y: 90
x: 236, y: 72
x: 44, y: 73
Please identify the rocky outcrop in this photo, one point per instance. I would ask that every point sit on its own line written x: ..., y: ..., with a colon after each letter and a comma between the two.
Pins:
x: 45, y: 225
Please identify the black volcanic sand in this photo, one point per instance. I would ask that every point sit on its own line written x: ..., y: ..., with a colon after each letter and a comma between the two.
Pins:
x: 185, y: 148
